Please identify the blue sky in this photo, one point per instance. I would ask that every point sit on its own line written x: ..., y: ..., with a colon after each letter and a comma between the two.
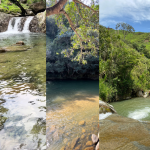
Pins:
x: 134, y: 12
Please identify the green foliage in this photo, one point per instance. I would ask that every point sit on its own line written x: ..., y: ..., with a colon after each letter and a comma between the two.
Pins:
x: 123, y: 65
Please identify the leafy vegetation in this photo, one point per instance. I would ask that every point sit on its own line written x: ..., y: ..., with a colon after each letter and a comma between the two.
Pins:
x: 124, y: 64
x: 7, y: 6
x: 66, y: 56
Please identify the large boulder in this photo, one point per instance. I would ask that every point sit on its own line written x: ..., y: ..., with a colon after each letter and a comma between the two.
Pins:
x: 38, y: 7
x: 38, y: 23
x: 4, y: 21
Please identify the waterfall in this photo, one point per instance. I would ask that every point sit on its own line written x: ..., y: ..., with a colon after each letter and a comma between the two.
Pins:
x: 15, y: 23
x: 26, y: 25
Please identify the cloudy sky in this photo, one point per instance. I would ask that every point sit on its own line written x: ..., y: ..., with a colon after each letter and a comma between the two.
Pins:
x: 133, y: 12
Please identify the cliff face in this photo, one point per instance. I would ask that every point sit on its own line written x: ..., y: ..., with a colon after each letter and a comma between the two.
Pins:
x: 4, y: 21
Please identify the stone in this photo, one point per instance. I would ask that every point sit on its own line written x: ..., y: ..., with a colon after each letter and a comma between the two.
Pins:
x: 20, y: 43
x: 74, y: 142
x: 83, y: 130
x: 81, y: 123
x: 94, y: 138
x: 38, y: 7
x: 83, y: 136
x: 89, y: 148
x: 63, y: 148
x: 23, y: 1
x: 65, y: 140
x: 97, y: 146
x: 89, y: 143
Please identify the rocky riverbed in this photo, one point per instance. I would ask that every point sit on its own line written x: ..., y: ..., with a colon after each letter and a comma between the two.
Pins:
x: 122, y: 133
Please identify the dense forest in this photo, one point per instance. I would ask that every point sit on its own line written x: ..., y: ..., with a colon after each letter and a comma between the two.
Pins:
x: 73, y: 46
x: 124, y: 64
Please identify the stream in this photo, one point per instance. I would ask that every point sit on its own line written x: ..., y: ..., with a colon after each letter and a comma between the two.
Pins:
x: 72, y: 113
x: 23, y: 93
x: 136, y: 108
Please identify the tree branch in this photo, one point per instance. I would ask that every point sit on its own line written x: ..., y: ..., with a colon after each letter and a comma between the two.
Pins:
x: 76, y: 1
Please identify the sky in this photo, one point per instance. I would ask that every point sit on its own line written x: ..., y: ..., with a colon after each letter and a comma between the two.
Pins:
x: 133, y: 12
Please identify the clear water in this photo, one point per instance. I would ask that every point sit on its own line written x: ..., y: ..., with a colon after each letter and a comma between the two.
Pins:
x: 22, y: 93
x: 68, y: 103
x: 136, y: 108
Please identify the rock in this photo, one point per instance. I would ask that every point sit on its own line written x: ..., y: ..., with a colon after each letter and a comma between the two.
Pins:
x: 41, y: 17
x: 2, y: 50
x: 89, y: 148
x: 105, y: 107
x: 94, y: 138
x: 97, y: 146
x: 20, y: 43
x: 83, y: 136
x: 81, y: 123
x: 74, y: 142
x: 117, y: 131
x: 139, y: 94
x: 4, y: 21
x: 23, y: 1
x: 38, y: 7
x: 78, y: 147
x: 83, y: 130
x: 15, y: 48
x: 89, y: 143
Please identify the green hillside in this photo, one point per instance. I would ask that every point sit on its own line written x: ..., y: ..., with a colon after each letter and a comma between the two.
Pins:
x: 124, y: 64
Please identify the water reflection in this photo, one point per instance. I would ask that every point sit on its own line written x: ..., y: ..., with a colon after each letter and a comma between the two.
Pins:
x: 22, y: 94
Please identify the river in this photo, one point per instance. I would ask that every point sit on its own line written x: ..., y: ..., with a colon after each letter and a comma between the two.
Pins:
x: 136, y: 108
x: 69, y: 104
x: 23, y: 93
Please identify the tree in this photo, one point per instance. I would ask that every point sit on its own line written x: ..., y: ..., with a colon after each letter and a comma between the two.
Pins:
x: 126, y: 28
x: 73, y: 11
x: 19, y: 5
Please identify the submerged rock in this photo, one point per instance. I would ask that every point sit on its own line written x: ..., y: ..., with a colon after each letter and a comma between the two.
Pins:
x: 14, y: 48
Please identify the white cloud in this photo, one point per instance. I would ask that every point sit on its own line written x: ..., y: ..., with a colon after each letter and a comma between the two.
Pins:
x: 137, y: 10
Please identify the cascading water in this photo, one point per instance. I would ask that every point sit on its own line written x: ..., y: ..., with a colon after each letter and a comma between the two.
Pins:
x: 15, y: 23
x: 13, y: 26
x: 26, y: 25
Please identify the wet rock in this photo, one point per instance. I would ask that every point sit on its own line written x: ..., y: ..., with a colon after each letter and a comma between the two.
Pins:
x: 117, y: 131
x: 89, y: 148
x: 81, y: 123
x: 83, y: 136
x: 89, y: 143
x: 105, y: 107
x: 74, y: 142
x: 20, y: 43
x: 97, y: 146
x: 94, y: 138
x: 83, y: 130
x: 139, y: 94
x: 78, y: 147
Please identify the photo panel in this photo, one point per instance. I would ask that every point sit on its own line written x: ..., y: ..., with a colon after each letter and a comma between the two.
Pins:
x: 72, y: 74
x: 22, y: 75
x: 124, y: 72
